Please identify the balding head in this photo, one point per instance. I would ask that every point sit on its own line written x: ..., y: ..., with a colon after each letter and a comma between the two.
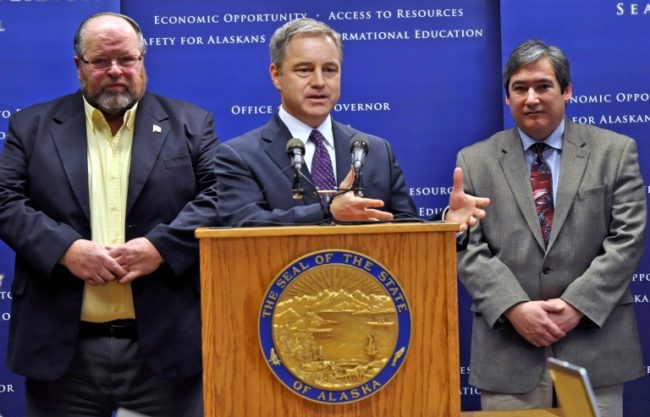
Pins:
x: 107, y: 21
x: 110, y: 63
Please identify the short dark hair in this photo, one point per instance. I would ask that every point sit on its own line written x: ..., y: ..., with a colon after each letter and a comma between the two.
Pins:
x: 532, y: 51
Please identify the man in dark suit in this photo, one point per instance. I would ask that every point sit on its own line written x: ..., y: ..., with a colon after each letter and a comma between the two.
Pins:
x: 100, y: 193
x: 550, y: 266
x: 254, y: 182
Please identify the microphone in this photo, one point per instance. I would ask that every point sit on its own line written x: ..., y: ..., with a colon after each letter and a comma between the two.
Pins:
x: 296, y: 150
x: 358, y: 151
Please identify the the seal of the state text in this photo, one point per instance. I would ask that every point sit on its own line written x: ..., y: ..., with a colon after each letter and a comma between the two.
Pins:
x: 334, y: 326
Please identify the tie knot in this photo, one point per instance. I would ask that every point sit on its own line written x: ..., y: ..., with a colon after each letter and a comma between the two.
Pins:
x: 538, y: 148
x: 316, y: 137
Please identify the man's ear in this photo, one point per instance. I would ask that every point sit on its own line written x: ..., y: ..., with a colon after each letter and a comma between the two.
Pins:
x: 274, y: 71
x: 568, y: 92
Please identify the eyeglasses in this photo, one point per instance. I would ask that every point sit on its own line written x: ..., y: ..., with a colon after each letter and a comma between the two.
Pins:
x: 102, y: 64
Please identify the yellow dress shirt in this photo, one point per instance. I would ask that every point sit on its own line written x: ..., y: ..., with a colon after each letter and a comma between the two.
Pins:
x: 109, y: 161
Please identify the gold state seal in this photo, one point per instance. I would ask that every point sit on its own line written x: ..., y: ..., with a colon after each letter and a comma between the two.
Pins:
x: 334, y: 326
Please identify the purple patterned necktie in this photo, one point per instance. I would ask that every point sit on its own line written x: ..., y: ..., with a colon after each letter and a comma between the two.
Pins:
x: 321, y: 165
x: 542, y: 184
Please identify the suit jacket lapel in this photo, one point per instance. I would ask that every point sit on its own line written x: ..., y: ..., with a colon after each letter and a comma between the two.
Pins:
x: 572, y: 166
x: 276, y: 135
x: 150, y: 133
x: 342, y: 147
x: 513, y: 163
x: 69, y: 136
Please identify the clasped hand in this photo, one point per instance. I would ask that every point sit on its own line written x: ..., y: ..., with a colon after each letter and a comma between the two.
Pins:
x: 543, y: 322
x: 98, y: 265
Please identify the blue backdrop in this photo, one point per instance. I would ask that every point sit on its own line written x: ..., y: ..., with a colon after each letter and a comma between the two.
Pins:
x: 426, y: 75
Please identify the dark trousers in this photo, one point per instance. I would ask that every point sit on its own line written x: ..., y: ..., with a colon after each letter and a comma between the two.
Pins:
x: 107, y: 373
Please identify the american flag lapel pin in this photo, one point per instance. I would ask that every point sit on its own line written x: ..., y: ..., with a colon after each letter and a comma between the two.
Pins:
x: 157, y: 129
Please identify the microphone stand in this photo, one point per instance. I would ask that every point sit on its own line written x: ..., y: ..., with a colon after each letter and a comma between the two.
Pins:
x: 359, y: 150
x: 296, y: 150
x: 357, y: 187
x: 297, y: 191
x: 326, y: 197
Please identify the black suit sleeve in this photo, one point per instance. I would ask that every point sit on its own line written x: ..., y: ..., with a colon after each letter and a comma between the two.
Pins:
x: 176, y: 241
x: 28, y: 222
x: 254, y: 192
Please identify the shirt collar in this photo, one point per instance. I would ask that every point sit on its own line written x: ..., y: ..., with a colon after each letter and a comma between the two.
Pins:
x: 96, y: 118
x: 302, y: 130
x: 554, y: 140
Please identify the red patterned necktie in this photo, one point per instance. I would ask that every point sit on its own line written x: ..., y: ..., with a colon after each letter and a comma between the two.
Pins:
x: 542, y: 184
x: 321, y: 165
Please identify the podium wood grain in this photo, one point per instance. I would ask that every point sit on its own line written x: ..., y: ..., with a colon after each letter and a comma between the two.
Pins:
x: 237, y: 266
x: 547, y: 412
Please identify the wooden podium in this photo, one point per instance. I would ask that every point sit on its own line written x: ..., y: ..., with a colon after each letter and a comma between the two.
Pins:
x: 239, y: 264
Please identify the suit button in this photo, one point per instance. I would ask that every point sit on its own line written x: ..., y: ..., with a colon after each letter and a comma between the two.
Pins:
x: 546, y: 270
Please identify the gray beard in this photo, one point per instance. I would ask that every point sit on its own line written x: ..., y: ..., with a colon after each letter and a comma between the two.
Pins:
x: 113, y: 104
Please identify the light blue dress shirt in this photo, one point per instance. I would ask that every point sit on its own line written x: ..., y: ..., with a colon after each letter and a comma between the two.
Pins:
x: 552, y: 153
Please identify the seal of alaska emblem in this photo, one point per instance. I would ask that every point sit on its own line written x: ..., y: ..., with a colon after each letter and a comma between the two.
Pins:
x: 334, y: 326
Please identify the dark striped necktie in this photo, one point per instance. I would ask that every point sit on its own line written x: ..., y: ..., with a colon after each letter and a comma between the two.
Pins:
x: 321, y: 165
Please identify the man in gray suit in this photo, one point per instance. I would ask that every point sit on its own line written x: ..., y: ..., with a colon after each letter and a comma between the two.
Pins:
x: 549, y: 267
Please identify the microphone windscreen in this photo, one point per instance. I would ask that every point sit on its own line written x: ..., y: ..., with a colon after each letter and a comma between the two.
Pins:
x: 359, y: 140
x: 295, y: 143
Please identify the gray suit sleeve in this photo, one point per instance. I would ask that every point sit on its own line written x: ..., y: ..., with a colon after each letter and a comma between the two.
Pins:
x: 600, y: 288
x: 492, y: 286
